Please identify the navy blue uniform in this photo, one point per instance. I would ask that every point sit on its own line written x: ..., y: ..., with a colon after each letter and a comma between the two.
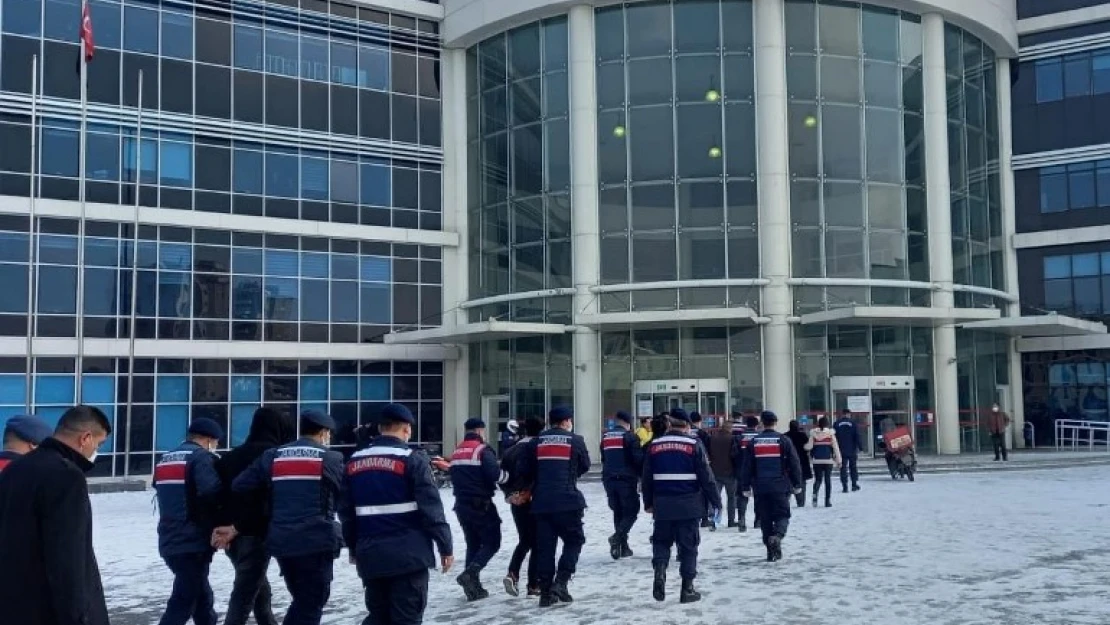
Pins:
x: 186, y: 485
x: 678, y: 487
x: 553, y: 463
x: 771, y: 471
x: 850, y: 441
x: 744, y: 438
x: 304, y: 479
x: 621, y: 462
x: 392, y: 515
x: 7, y: 457
x: 474, y: 476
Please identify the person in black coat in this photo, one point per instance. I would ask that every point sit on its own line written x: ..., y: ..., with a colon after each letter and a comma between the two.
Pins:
x: 247, y: 514
x: 50, y: 575
x: 799, y: 439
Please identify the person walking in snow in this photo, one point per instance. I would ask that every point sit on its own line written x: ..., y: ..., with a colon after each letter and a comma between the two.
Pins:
x: 724, y: 459
x: 997, y: 422
x: 850, y: 441
x: 822, y: 447
x: 771, y: 471
x: 474, y: 476
x: 621, y: 460
x: 799, y: 439
x: 518, y: 492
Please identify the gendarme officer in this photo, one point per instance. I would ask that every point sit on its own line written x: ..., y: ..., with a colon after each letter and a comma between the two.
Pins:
x: 304, y: 479
x: 392, y: 515
x: 21, y: 435
x: 621, y: 463
x: 771, y: 471
x: 474, y: 476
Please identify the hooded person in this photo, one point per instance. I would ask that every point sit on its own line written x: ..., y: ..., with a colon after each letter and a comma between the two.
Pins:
x: 246, y: 517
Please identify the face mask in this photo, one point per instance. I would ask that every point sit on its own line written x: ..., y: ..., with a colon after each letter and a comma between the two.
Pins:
x: 92, y: 458
x: 327, y: 441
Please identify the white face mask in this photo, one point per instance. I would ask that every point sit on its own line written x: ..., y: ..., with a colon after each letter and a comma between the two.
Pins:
x: 92, y: 458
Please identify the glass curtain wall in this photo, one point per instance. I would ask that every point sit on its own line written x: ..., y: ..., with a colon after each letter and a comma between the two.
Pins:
x: 856, y: 152
x: 982, y: 363
x: 519, y: 171
x: 535, y: 372
x: 676, y: 151
x: 977, y: 241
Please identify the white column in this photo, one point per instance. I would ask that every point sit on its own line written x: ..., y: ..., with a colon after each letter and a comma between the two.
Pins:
x: 1009, y: 252
x: 774, y: 206
x: 456, y: 373
x: 939, y: 207
x: 586, y: 242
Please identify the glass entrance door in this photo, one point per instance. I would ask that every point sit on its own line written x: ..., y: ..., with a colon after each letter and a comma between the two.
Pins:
x: 889, y: 409
x: 666, y: 403
x: 713, y: 409
x: 859, y: 403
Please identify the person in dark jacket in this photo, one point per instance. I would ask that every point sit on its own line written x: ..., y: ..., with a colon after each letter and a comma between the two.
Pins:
x: 246, y: 517
x: 303, y: 479
x: 553, y: 462
x: 703, y: 438
x: 724, y: 453
x: 850, y: 441
x: 744, y: 438
x: 678, y: 487
x: 50, y: 575
x: 392, y: 516
x: 474, y: 476
x: 508, y: 437
x: 621, y: 462
x: 771, y: 471
x: 22, y: 434
x: 799, y: 440
x: 518, y: 492
x: 188, y: 489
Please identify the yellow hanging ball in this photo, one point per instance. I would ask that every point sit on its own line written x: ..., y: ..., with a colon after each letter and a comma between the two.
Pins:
x: 712, y: 95
x: 618, y: 132
x: 810, y: 121
x: 714, y: 152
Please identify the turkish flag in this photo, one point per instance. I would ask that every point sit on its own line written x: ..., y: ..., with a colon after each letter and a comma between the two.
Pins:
x: 86, y: 33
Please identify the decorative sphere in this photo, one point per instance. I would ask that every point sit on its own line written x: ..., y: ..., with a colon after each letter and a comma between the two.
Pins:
x: 712, y: 95
x: 811, y: 121
x: 714, y: 152
x: 618, y: 131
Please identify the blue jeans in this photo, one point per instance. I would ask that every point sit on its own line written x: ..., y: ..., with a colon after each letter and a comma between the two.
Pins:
x: 191, y: 597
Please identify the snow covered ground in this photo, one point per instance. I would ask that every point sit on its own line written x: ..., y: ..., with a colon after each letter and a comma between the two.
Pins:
x: 970, y: 549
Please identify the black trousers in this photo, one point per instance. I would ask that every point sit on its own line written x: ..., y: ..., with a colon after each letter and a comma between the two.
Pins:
x: 481, y: 527
x: 191, y: 596
x: 728, y: 483
x: 550, y: 529
x: 396, y: 600
x: 686, y: 535
x: 308, y: 579
x: 251, y: 590
x: 526, y: 543
x: 849, y: 467
x: 774, y: 514
x: 822, y: 473
x: 999, y: 441
x: 624, y: 501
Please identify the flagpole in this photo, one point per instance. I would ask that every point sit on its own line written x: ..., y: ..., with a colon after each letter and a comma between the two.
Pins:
x: 33, y: 247
x: 84, y: 62
x: 134, y: 285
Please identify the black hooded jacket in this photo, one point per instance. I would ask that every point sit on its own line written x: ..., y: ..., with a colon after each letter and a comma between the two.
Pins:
x: 249, y: 512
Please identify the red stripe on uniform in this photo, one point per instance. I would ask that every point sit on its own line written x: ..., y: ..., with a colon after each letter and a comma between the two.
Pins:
x: 612, y: 443
x: 767, y: 450
x: 298, y: 467
x: 4, y: 464
x: 549, y: 451
x: 170, y: 472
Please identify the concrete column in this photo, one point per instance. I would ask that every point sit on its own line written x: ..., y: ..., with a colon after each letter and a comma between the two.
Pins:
x: 774, y: 206
x: 456, y: 288
x: 584, y: 224
x: 1016, y: 400
x: 939, y: 208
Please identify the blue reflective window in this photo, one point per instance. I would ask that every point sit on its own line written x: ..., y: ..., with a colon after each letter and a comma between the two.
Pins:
x: 101, y: 252
x: 106, y: 24
x: 22, y: 17
x: 248, y: 47
x: 1056, y: 267
x: 373, y: 66
x: 13, y: 297
x: 101, y: 291
x: 148, y: 294
x: 281, y: 263
x: 314, y: 58
x: 140, y: 29
x: 314, y: 177
x: 171, y: 423
x: 177, y: 164
x: 1100, y: 73
x: 62, y: 19
x: 375, y: 303
x: 247, y: 169
x: 13, y: 388
x: 314, y: 387
x: 344, y: 301
x: 174, y: 294
x: 282, y: 299
x: 148, y: 159
x: 57, y: 290
x: 1106, y: 263
x: 51, y: 414
x: 344, y: 266
x: 1077, y: 75
x: 246, y: 388
x: 282, y: 175
x: 375, y: 185
x: 55, y: 389
x: 102, y: 154
x: 246, y: 298
x: 314, y: 300
x: 246, y: 260
x: 14, y: 247
x: 344, y: 387
x: 1085, y: 265
x: 148, y: 254
x: 177, y: 256
x: 60, y: 250
x: 241, y: 417
x: 98, y: 389
x: 344, y: 64
x: 344, y: 181
x: 1050, y: 80
x: 177, y: 35
x: 1054, y: 189
x: 314, y: 264
x: 60, y: 152
x: 375, y: 388
x: 109, y: 410
x: 281, y: 51
x: 171, y: 389
x: 375, y: 269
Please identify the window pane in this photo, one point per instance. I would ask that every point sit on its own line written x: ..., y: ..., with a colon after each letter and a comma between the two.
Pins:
x: 22, y: 17
x: 844, y: 254
x: 59, y: 152
x: 140, y: 30
x: 653, y: 257
x: 1088, y: 299
x: 1050, y: 80
x: 1081, y: 186
x: 248, y: 47
x: 880, y: 34
x: 1054, y: 191
x: 1085, y: 265
x: 248, y: 172
x: 177, y: 164
x: 177, y: 35
x: 1057, y: 267
x: 1077, y: 76
x: 1100, y: 73
x: 840, y: 127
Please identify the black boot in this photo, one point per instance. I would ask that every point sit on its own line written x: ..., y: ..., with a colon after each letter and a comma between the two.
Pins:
x: 743, y: 525
x: 689, y: 595
x: 846, y: 487
x: 774, y: 549
x: 828, y: 503
x: 705, y: 523
x: 472, y: 584
x: 615, y: 546
x: 659, y: 585
x: 626, y: 551
x: 559, y: 588
x: 547, y: 597
x: 855, y: 487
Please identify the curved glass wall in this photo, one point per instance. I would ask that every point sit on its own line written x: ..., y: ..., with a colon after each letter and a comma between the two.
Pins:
x: 519, y: 170
x: 857, y: 188
x: 676, y: 151
x: 977, y: 240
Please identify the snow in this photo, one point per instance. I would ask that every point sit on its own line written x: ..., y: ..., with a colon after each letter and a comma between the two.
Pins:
x: 960, y: 549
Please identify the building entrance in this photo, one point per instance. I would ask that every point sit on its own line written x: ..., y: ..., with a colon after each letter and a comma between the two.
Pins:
x: 709, y: 397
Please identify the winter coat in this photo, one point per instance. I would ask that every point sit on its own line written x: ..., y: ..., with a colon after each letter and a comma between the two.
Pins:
x: 188, y: 490
x: 724, y: 451
x: 644, y: 434
x: 677, y: 482
x: 848, y: 437
x: 512, y: 481
x: 621, y: 456
x: 799, y: 438
x: 553, y: 462
x: 249, y: 512
x: 822, y: 447
x: 50, y: 575
x: 771, y: 466
x: 7, y: 457
x: 474, y: 471
x: 997, y: 422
